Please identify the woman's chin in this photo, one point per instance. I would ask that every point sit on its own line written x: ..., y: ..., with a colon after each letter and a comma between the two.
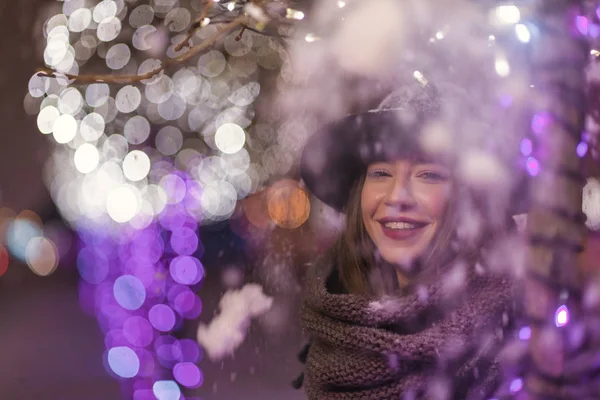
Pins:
x: 402, y: 261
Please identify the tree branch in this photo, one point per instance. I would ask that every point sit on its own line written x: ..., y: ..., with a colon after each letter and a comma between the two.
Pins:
x: 166, y: 63
x: 195, y: 26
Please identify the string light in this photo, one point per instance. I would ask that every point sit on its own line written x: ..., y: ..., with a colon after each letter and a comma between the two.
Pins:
x: 526, y: 147
x: 290, y: 13
x: 561, y: 317
x: 516, y: 385
x: 522, y: 33
x: 508, y: 14
x: 582, y: 25
x: 582, y: 149
x: 420, y: 78
x: 502, y: 66
x: 311, y: 37
x: 533, y: 166
x: 525, y: 333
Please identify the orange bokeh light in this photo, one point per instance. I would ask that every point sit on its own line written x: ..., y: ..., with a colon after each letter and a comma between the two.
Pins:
x: 288, y: 204
x: 255, y: 208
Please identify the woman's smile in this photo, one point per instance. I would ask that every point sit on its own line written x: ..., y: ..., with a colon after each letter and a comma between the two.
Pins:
x: 402, y: 228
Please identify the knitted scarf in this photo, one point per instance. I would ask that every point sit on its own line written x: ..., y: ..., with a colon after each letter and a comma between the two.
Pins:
x: 438, y: 340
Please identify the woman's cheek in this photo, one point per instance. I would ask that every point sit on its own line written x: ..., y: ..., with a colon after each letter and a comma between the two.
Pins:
x: 434, y: 198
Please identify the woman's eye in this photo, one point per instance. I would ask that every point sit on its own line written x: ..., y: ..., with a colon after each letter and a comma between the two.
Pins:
x: 433, y: 176
x: 378, y: 173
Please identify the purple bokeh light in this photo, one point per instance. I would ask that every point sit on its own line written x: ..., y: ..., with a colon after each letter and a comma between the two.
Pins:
x: 162, y: 317
x: 147, y: 248
x: 533, y: 166
x: 175, y: 187
x: 594, y: 30
x: 168, y: 351
x: 172, y: 218
x: 188, y: 305
x: 138, y: 331
x: 144, y: 394
x: 516, y: 385
x: 137, y: 283
x: 540, y: 122
x: 166, y: 390
x: 582, y: 149
x: 186, y: 270
x: 92, y: 265
x: 525, y: 333
x: 582, y: 24
x: 526, y: 147
x: 188, y: 374
x: 189, y: 350
x: 123, y: 361
x: 129, y: 292
x: 115, y: 338
x: 184, y: 241
x: 147, y: 362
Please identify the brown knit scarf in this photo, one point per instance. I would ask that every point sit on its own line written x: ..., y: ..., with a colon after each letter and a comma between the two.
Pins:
x: 436, y: 341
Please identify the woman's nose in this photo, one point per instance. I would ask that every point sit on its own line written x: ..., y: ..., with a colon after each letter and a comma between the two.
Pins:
x: 400, y: 194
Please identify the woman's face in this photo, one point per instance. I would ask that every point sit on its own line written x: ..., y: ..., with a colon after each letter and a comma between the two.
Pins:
x: 402, y: 205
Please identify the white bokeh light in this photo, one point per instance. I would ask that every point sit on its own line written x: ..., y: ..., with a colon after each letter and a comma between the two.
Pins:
x: 136, y: 165
x: 508, y: 14
x: 141, y: 15
x: 105, y: 10
x: 80, y: 20
x: 70, y: 101
x: 169, y: 140
x: 156, y: 197
x: 502, y: 66
x: 118, y: 56
x: 96, y: 94
x: 219, y: 199
x: 123, y: 203
x: 46, y: 119
x: 64, y: 128
x: 86, y: 158
x: 92, y: 127
x: 230, y: 138
x: 136, y: 129
x: 522, y: 33
x: 109, y: 29
x: 128, y: 99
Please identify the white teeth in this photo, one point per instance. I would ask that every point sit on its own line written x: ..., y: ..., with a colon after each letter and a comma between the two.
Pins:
x: 400, y: 225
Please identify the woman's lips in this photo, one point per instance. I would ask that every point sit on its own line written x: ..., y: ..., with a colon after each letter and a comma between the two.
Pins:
x: 402, y: 234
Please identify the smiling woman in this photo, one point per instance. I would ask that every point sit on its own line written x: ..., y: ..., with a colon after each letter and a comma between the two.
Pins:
x: 403, y: 206
x: 400, y: 306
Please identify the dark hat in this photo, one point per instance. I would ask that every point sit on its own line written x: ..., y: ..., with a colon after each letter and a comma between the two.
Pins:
x: 338, y: 153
